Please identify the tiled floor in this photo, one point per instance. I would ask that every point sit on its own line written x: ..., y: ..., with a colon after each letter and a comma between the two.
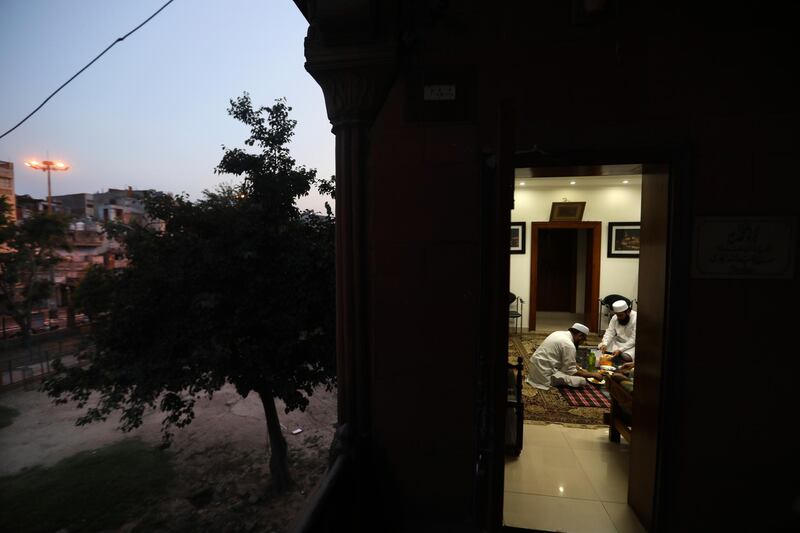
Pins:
x: 553, y: 321
x: 569, y: 479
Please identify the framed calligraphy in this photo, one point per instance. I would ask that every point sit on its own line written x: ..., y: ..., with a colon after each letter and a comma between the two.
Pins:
x: 744, y: 247
x: 567, y: 211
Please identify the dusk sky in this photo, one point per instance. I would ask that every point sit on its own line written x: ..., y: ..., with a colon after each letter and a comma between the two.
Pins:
x: 152, y: 112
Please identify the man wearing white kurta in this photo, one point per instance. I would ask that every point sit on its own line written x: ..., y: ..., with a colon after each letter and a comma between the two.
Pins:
x: 553, y: 363
x: 620, y: 336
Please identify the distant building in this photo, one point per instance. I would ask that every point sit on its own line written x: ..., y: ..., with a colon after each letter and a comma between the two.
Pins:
x: 122, y: 205
x: 7, y: 186
x: 27, y: 205
x: 80, y: 205
x: 89, y: 244
x: 114, y: 205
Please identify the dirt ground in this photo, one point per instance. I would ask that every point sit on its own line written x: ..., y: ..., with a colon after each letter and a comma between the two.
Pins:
x: 222, y: 475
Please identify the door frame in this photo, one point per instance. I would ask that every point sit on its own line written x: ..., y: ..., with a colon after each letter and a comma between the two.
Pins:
x: 661, y: 412
x: 592, y: 290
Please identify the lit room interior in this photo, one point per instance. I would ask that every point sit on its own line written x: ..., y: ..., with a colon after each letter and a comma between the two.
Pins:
x: 565, y: 473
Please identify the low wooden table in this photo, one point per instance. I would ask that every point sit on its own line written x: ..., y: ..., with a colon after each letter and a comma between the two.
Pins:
x: 620, y: 419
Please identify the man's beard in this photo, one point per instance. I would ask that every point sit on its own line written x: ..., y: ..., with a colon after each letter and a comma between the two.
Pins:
x: 624, y: 321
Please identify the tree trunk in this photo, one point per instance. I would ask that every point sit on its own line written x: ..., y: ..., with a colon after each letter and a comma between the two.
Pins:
x: 278, y: 462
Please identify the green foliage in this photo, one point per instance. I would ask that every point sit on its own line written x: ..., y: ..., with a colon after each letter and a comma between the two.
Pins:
x: 92, y: 491
x: 237, y: 287
x: 27, y: 253
x: 93, y: 294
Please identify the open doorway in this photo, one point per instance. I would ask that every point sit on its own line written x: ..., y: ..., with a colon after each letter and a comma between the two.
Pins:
x: 568, y: 463
x: 556, y: 283
x: 565, y: 274
x: 610, y: 198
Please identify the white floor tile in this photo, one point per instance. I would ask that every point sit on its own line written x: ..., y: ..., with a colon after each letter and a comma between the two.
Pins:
x: 548, y: 471
x: 543, y: 435
x: 623, y: 518
x: 556, y: 321
x: 607, y: 472
x: 555, y: 514
x: 565, y: 477
x: 592, y: 439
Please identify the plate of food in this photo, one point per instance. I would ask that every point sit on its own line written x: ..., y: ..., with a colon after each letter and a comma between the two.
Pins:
x: 608, y: 368
x: 595, y: 382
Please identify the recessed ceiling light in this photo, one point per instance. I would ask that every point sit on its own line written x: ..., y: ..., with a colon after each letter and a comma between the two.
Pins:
x: 572, y: 183
x: 522, y: 183
x: 625, y: 181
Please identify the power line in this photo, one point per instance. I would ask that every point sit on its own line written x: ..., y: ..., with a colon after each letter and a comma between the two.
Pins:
x: 119, y: 39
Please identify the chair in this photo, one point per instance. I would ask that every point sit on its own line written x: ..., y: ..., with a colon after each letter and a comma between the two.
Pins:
x: 605, y: 308
x: 515, y: 409
x: 515, y: 314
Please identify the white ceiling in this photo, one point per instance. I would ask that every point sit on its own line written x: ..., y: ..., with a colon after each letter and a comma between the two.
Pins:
x: 582, y: 175
x: 580, y: 181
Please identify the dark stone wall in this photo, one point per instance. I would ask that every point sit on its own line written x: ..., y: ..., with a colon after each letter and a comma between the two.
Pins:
x: 713, y: 83
x: 424, y: 255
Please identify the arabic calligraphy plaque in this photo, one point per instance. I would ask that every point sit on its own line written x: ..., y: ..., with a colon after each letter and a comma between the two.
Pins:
x: 744, y: 247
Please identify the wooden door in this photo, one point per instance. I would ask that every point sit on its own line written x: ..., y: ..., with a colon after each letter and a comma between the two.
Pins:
x: 557, y: 270
x: 591, y: 306
x: 649, y: 343
x: 498, y: 198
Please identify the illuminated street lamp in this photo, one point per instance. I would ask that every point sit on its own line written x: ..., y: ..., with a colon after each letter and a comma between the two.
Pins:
x: 48, y: 166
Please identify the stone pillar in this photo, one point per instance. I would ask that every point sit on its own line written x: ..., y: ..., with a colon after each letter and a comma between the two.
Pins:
x: 355, y: 80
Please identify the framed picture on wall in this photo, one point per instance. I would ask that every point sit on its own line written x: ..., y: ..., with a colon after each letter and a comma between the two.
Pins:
x: 567, y: 211
x: 623, y: 239
x: 517, y: 238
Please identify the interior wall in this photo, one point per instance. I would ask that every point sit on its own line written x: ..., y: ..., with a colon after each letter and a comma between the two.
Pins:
x: 580, y: 286
x: 603, y: 203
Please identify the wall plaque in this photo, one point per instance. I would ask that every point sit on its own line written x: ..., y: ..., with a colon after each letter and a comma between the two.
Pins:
x: 744, y: 247
x: 440, y: 94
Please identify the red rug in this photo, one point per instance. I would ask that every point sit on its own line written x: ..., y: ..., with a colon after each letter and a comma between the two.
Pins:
x: 588, y: 396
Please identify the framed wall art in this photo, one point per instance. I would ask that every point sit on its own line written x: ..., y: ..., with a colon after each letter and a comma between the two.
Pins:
x: 567, y: 211
x: 624, y: 239
x: 742, y: 247
x: 517, y: 238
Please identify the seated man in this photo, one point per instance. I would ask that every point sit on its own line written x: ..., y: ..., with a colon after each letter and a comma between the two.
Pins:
x: 553, y: 363
x: 624, y: 374
x: 626, y: 369
x: 620, y: 336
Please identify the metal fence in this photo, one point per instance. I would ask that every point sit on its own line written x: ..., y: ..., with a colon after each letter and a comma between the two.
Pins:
x: 41, y: 323
x: 26, y: 366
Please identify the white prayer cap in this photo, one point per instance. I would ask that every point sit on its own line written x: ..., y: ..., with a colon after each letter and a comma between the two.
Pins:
x: 580, y: 327
x: 619, y: 306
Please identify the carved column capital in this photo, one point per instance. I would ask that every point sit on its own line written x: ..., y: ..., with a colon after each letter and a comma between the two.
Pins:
x: 355, y: 79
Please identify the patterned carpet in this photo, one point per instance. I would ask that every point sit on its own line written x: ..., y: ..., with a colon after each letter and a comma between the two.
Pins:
x: 543, y: 407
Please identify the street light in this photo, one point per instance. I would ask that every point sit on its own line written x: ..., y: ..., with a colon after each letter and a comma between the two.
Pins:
x: 48, y: 166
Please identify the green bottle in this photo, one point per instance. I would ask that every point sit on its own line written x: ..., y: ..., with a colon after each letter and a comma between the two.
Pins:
x: 591, y: 361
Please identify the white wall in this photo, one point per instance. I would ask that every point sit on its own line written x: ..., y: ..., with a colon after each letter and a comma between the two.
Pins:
x: 580, y: 282
x: 615, y: 203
